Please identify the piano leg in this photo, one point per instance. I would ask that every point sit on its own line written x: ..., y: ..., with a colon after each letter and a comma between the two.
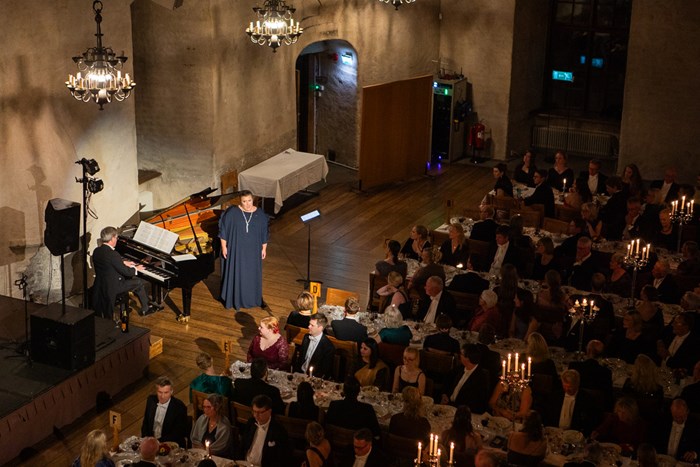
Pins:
x: 186, y: 300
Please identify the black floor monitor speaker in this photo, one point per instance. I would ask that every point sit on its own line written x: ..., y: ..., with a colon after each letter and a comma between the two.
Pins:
x: 62, y: 232
x: 63, y: 340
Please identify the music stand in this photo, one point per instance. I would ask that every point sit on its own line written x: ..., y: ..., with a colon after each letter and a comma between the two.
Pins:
x: 306, y: 219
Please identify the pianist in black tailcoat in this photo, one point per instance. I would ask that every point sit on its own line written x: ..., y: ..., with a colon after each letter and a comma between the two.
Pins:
x: 113, y: 276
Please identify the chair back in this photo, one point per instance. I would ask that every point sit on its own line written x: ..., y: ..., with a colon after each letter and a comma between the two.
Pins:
x: 555, y: 225
x: 242, y: 413
x: 376, y: 282
x: 295, y: 334
x: 198, y: 398
x: 479, y: 251
x: 346, y: 354
x: 503, y: 205
x: 465, y: 303
x: 531, y: 217
x: 402, y: 450
x: 391, y: 354
x: 295, y: 427
x: 438, y: 367
x: 338, y: 296
x: 566, y: 213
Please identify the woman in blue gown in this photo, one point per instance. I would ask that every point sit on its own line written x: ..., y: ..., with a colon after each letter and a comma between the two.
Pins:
x: 243, y: 232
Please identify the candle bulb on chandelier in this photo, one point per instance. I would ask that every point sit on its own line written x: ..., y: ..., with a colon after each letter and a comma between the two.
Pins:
x: 504, y: 368
x: 508, y: 363
x: 452, y: 452
x: 529, y: 367
x: 420, y: 446
x: 517, y: 355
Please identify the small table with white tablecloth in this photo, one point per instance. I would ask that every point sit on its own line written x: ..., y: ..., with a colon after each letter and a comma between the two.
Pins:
x: 281, y: 176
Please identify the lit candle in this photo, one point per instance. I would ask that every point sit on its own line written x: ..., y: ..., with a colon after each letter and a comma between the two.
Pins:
x: 517, y: 355
x: 644, y: 253
x: 529, y: 367
x: 628, y: 250
x: 585, y: 302
x: 648, y: 250
x: 576, y: 303
x: 430, y: 446
x: 592, y: 302
x: 437, y: 451
x: 206, y: 444
x: 637, y: 250
x: 673, y: 206
x: 508, y: 363
x: 452, y: 452
x: 522, y: 371
x: 311, y: 372
x: 504, y: 368
x: 564, y: 187
x: 692, y: 206
x: 682, y: 203
x: 420, y: 446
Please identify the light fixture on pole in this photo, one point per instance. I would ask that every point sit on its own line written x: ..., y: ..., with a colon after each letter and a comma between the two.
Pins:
x: 99, y: 76
x: 397, y: 3
x: 91, y: 186
x: 274, y: 25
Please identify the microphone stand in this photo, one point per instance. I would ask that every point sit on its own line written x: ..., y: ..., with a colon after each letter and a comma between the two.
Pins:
x: 25, y: 347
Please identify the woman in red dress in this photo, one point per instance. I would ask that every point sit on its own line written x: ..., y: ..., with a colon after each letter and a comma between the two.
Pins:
x: 270, y: 345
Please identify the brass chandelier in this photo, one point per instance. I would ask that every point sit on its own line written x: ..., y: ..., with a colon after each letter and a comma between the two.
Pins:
x: 274, y: 25
x: 99, y: 78
x: 397, y: 3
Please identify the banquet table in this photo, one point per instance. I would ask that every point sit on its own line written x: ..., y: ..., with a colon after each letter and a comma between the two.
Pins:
x: 284, y: 174
x: 176, y: 457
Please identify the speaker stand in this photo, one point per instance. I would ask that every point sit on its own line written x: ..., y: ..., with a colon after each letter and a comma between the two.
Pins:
x: 24, y: 349
x: 63, y: 286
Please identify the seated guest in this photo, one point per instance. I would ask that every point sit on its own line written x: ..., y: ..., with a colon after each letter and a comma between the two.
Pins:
x: 485, y: 229
x: 650, y: 311
x: 538, y: 350
x: 578, y: 194
x: 319, y: 451
x: 632, y: 180
x: 468, y: 283
x: 429, y: 268
x: 633, y: 219
x: 245, y: 389
x: 528, y: 446
x: 690, y: 266
x: 95, y: 451
x: 411, y: 423
x: 624, y: 426
x: 679, y: 436
x: 506, y: 291
x: 586, y: 263
x: 559, y: 172
x: 209, y: 382
x: 304, y: 407
x: 667, y: 235
x: 301, y: 316
x: 488, y: 457
x: 394, y: 331
x: 681, y: 349
x: 349, y: 328
x: 503, y: 186
x: 416, y: 243
x: 373, y: 371
x: 664, y: 283
x: 550, y: 309
x: 502, y: 251
x: 649, y: 218
x: 165, y: 417
x: 668, y: 188
x: 486, y: 313
x: 148, y: 450
x: 365, y: 452
x: 409, y: 374
x: 542, y: 194
x: 317, y: 350
x: 490, y: 359
x: 437, y: 301
x: 544, y: 258
x: 503, y: 399
x: 627, y: 342
x: 572, y: 408
x: 394, y: 293
x: 391, y: 262
x: 470, y: 383
x: 213, y: 426
x: 613, y: 213
x: 522, y: 313
x: 577, y: 228
x: 691, y: 393
x: 643, y: 387
x: 270, y: 345
x: 594, y: 225
x: 517, y: 237
x: 525, y: 169
x: 604, y: 322
x: 594, y: 179
x: 441, y: 340
x: 455, y: 250
x: 351, y: 413
x: 619, y: 282
x: 594, y: 375
x: 466, y: 440
x: 264, y: 441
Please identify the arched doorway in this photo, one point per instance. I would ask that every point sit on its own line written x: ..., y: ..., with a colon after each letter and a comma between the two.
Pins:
x: 327, y: 101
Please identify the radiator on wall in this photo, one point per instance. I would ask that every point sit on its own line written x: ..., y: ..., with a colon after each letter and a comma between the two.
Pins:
x: 574, y: 141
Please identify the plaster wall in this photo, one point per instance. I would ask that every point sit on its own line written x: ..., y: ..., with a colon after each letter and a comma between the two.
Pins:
x: 43, y: 130
x: 661, y: 113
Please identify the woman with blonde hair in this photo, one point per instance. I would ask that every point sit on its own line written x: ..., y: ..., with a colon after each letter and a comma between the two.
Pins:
x: 270, y: 345
x: 209, y: 382
x: 455, y: 250
x: 624, y: 426
x: 619, y: 281
x: 409, y: 374
x: 319, y: 448
x: 628, y: 342
x: 643, y: 386
x: 411, y: 423
x: 538, y: 350
x: 394, y: 293
x: 594, y: 226
x: 551, y: 308
x: 416, y: 243
x: 94, y: 452
x: 302, y: 315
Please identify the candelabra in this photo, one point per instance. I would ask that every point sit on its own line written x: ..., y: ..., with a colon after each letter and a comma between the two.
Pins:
x: 515, y: 381
x: 586, y: 313
x: 681, y: 216
x: 433, y: 454
x: 636, y: 261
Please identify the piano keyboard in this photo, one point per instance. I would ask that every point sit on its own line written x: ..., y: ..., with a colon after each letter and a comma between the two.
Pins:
x: 154, y: 273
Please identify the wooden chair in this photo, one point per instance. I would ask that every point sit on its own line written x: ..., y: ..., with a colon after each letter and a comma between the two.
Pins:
x: 531, y: 217
x: 346, y: 354
x: 391, y: 354
x: 198, y: 398
x: 536, y: 207
x: 296, y: 430
x: 503, y: 206
x: 338, y: 296
x: 242, y: 413
x: 466, y: 303
x: 565, y: 213
x: 295, y: 334
x: 401, y: 451
x: 479, y: 251
x: 376, y: 282
x: 555, y: 226
x: 341, y: 440
x: 438, y: 367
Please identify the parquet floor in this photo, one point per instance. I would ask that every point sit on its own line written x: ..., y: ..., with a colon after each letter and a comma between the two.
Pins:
x: 346, y: 242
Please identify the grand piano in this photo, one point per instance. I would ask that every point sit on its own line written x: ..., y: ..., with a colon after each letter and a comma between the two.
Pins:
x: 195, y: 222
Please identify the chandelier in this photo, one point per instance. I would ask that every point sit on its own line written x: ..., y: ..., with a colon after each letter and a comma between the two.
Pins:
x: 99, y: 76
x: 275, y: 25
x: 397, y: 3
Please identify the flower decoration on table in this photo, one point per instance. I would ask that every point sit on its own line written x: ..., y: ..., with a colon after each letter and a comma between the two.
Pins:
x: 681, y: 216
x: 165, y: 448
x: 585, y: 312
x: 636, y: 261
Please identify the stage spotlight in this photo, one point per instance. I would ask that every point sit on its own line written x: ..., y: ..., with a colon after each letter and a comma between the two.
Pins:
x: 95, y: 185
x: 90, y: 166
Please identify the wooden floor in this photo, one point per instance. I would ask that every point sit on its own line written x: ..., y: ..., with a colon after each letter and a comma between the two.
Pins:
x: 346, y: 242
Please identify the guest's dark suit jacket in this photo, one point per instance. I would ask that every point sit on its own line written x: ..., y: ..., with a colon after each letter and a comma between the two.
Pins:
x: 691, y: 395
x: 613, y: 216
x: 668, y: 290
x: 111, y: 279
x: 322, y: 359
x: 245, y: 390
x: 276, y: 450
x: 468, y: 283
x: 490, y: 361
x: 176, y: 424
x: 446, y: 305
x: 596, y: 377
x: 690, y: 437
x: 352, y: 414
x: 567, y: 250
x: 542, y: 195
x: 649, y: 223
x: 587, y: 413
x: 441, y: 341
x: 347, y: 329
x: 580, y: 275
x: 421, y: 276
x: 475, y: 392
x: 376, y: 458
x: 687, y: 354
x: 143, y: 463
x: 672, y: 194
x: 484, y: 230
x: 511, y: 256
x: 600, y: 188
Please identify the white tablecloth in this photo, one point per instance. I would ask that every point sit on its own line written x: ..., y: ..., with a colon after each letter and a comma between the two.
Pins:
x: 282, y: 175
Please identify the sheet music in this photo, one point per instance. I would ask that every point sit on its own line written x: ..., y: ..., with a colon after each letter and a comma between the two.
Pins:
x: 156, y: 237
x: 184, y: 257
